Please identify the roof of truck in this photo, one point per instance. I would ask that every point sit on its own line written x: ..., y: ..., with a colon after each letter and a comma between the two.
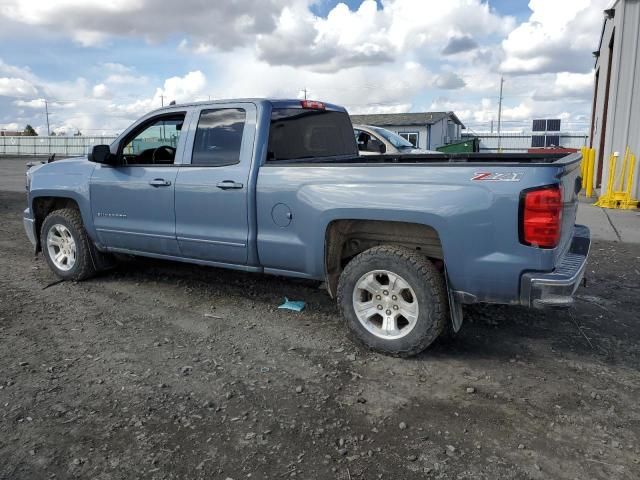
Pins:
x: 275, y: 102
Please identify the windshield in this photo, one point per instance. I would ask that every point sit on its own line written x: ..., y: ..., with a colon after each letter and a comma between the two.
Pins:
x: 393, y: 138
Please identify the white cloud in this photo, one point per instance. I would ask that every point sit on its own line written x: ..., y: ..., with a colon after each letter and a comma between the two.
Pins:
x: 557, y: 37
x: 449, y: 81
x: 14, y: 71
x: 101, y: 91
x: 342, y: 40
x: 388, y: 57
x: 360, y: 89
x: 567, y: 85
x: 35, y: 103
x: 372, y: 36
x: 181, y: 89
x: 116, y: 67
x: 92, y: 22
x: 123, y: 79
x: 15, y: 87
x: 11, y: 127
x: 459, y: 44
x: 284, y: 32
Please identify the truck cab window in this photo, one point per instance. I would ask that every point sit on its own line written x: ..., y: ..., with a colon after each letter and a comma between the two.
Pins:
x: 219, y: 137
x: 155, y: 144
x: 298, y: 133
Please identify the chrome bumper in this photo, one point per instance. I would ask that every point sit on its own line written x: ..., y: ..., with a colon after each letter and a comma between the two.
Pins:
x: 29, y: 227
x: 556, y: 289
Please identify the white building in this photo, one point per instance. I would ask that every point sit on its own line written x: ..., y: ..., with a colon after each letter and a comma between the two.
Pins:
x: 427, y: 130
x: 615, y: 118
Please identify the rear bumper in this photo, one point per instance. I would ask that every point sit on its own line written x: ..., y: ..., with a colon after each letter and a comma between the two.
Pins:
x: 29, y: 226
x: 556, y: 288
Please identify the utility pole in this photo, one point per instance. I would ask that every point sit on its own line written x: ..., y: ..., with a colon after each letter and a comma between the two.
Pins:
x: 500, y: 115
x: 46, y: 111
x: 305, y: 92
x: 162, y: 100
x: 492, y: 125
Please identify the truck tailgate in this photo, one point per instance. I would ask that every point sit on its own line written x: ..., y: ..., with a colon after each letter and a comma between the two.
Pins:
x: 569, y: 176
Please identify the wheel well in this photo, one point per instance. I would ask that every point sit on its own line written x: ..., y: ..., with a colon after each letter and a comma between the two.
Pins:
x: 43, y: 206
x: 344, y: 239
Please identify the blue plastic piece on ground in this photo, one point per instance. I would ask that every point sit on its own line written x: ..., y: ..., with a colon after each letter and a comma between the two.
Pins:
x: 295, y: 305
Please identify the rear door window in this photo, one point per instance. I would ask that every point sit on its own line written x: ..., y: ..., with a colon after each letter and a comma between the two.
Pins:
x: 219, y: 137
x: 298, y: 133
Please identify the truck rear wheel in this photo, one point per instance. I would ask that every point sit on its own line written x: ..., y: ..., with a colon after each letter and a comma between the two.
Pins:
x: 394, y: 300
x: 66, y: 246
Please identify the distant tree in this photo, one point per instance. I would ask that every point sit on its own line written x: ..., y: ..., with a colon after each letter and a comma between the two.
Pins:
x: 52, y: 134
x: 77, y: 134
x: 29, y: 131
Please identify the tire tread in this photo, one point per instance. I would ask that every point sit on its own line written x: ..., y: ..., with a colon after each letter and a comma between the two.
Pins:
x: 427, y: 271
x: 86, y: 267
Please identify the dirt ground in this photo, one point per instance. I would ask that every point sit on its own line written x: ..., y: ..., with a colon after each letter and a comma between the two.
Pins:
x: 159, y: 370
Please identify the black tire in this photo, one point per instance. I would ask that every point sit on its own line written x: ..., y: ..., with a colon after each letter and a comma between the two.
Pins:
x: 84, y: 266
x: 425, y: 280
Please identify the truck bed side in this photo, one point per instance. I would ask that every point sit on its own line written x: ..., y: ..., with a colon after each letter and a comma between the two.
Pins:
x: 476, y: 221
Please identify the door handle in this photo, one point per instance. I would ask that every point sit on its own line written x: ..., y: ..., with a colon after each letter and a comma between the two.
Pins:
x: 229, y: 184
x: 159, y: 182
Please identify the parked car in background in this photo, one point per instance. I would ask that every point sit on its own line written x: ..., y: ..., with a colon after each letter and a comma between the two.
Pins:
x: 277, y: 186
x: 376, y: 140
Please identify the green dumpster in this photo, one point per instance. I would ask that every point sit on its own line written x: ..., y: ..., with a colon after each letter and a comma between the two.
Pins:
x: 468, y: 145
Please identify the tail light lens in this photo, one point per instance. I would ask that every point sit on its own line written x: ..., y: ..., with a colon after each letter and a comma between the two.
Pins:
x: 541, y: 217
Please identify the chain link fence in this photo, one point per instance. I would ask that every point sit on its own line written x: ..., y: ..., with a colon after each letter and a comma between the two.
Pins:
x: 521, y: 142
x: 78, y: 146
x: 45, y: 146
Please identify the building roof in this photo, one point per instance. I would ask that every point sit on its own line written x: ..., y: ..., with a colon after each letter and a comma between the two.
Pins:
x: 388, y: 119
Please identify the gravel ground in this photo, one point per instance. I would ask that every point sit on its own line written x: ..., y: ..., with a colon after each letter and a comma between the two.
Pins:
x: 159, y: 370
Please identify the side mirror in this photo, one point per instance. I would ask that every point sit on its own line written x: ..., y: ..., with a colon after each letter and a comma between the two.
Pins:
x: 382, y: 148
x: 101, y: 154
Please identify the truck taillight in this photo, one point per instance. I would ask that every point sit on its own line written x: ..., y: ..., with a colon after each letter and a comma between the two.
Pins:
x: 541, y: 217
x: 312, y: 104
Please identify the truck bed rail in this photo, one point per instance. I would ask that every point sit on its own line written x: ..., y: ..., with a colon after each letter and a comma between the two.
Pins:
x: 439, y: 158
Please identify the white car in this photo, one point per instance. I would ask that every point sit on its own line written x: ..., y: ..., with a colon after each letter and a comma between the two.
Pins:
x: 375, y: 141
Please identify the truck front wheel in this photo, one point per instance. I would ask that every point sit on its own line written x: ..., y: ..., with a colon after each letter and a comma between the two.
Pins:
x: 66, y: 246
x: 394, y: 300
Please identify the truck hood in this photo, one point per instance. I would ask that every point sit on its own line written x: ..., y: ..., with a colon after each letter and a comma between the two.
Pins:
x: 67, y: 167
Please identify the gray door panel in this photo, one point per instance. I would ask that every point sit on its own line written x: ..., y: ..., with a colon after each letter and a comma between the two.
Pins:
x: 129, y: 212
x: 211, y: 193
x: 133, y: 203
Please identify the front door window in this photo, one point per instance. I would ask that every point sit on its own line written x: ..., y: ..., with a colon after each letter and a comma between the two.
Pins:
x: 155, y: 144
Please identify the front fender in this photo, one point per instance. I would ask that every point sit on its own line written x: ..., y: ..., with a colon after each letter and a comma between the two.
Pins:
x: 65, y: 179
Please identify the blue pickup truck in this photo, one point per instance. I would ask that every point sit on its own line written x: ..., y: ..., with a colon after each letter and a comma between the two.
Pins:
x: 277, y: 186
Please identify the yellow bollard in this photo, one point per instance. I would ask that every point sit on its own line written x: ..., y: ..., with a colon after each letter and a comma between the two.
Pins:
x: 583, y: 165
x: 618, y: 193
x: 623, y: 173
x: 613, y: 164
x: 607, y: 199
x: 629, y: 202
x: 591, y: 157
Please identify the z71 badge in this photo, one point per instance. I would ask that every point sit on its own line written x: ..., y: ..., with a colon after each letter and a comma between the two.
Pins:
x: 497, y: 177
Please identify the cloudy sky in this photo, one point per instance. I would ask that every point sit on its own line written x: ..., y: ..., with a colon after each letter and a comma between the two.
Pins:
x: 101, y: 64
